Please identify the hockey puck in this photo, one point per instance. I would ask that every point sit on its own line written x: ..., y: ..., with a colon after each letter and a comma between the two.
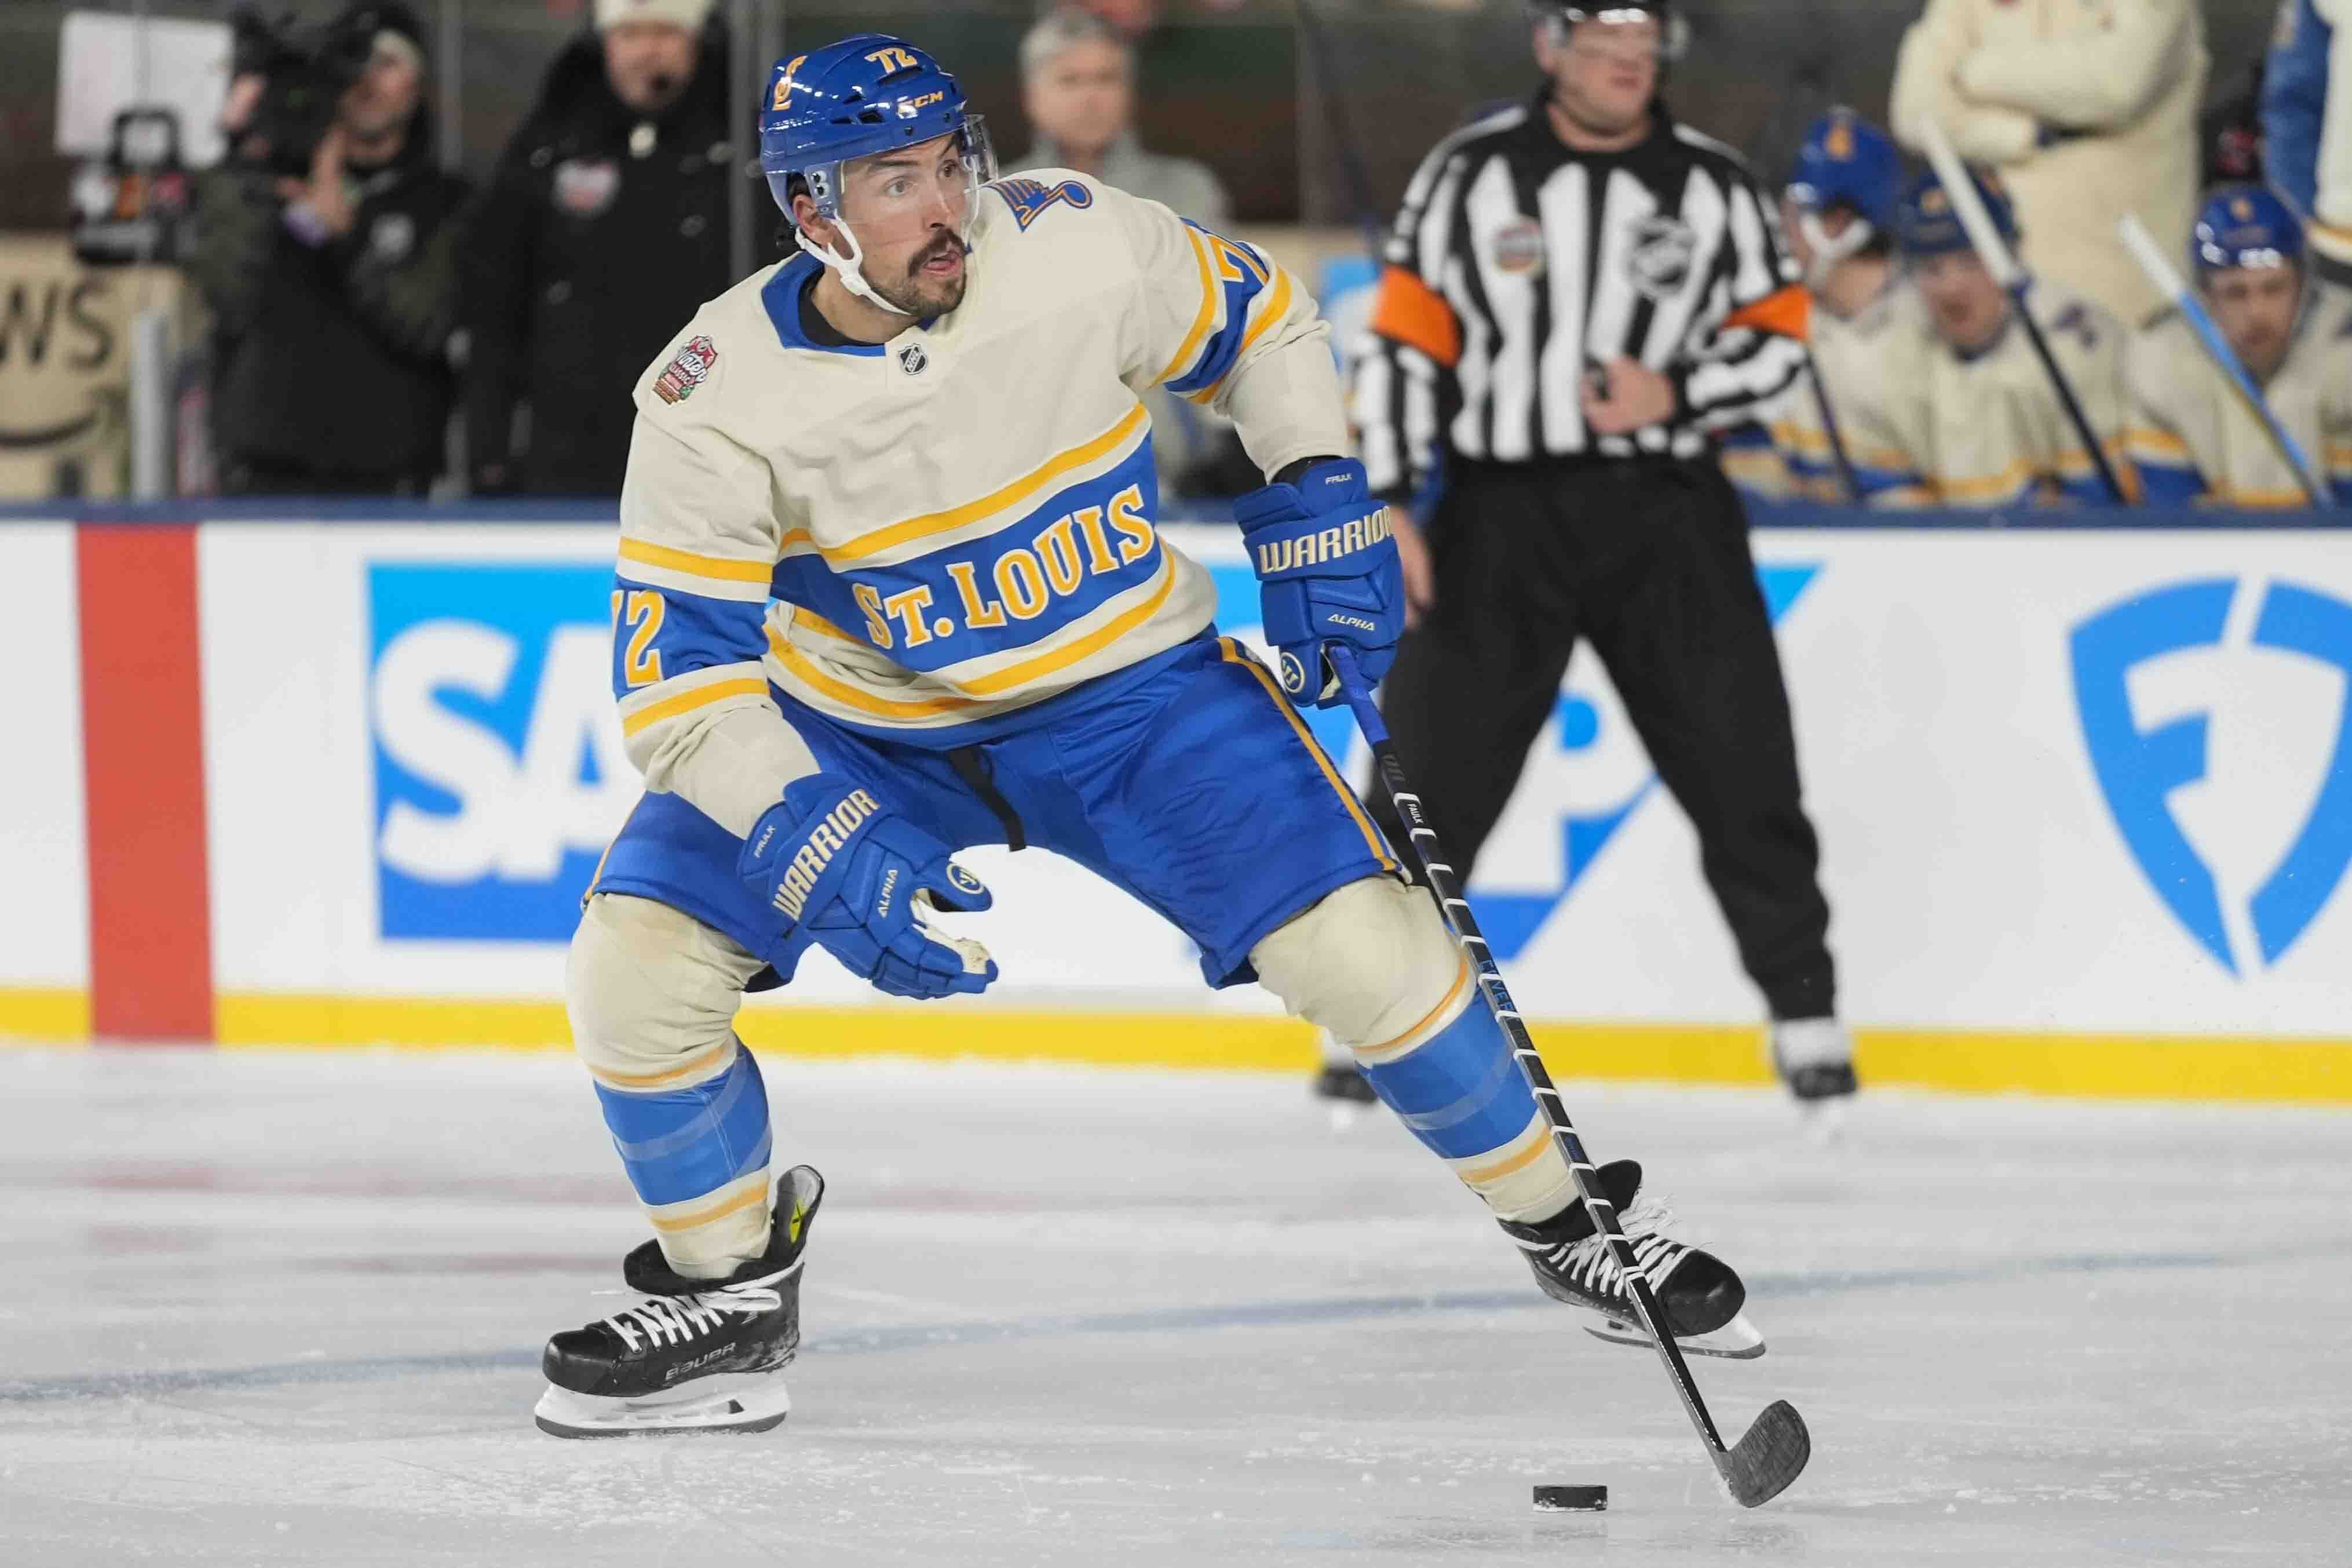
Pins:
x: 1572, y: 1499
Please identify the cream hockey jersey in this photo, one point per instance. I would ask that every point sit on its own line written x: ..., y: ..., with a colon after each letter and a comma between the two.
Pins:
x: 1850, y: 355
x: 2194, y: 439
x: 1987, y: 428
x: 919, y: 539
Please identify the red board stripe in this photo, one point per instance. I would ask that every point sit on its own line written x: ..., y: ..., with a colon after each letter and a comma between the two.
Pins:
x: 143, y: 773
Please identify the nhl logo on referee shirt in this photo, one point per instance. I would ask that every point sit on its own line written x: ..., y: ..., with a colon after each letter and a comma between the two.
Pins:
x: 1519, y: 246
x: 1659, y: 258
x: 912, y: 359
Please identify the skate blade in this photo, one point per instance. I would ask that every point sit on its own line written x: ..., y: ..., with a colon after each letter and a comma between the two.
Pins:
x: 1735, y: 1341
x: 1821, y: 1123
x: 747, y: 1402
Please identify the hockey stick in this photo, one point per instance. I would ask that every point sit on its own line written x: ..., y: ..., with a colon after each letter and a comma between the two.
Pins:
x: 1344, y: 149
x: 2168, y: 283
x: 1987, y: 242
x: 1761, y: 1464
x: 1829, y: 426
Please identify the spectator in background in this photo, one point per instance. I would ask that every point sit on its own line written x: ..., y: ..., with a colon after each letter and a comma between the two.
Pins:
x: 1077, y: 86
x: 2192, y: 436
x: 1967, y: 416
x: 333, y: 295
x: 1077, y: 82
x: 2307, y: 132
x: 604, y: 229
x: 2089, y: 112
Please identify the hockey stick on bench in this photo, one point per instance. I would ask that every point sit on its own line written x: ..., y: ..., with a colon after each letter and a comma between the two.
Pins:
x: 1757, y: 1467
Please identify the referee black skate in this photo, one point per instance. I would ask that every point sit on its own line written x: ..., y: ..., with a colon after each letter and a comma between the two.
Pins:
x: 1579, y: 292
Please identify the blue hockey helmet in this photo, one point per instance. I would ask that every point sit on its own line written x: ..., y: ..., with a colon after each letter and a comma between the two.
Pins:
x: 1925, y: 223
x: 859, y: 97
x: 1844, y: 160
x: 2244, y: 226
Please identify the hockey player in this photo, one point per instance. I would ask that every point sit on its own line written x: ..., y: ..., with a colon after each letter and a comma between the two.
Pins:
x: 1967, y: 416
x: 1839, y: 214
x: 2192, y: 436
x: 889, y: 585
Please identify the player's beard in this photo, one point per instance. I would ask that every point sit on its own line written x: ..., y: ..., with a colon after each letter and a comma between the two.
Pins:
x: 924, y: 297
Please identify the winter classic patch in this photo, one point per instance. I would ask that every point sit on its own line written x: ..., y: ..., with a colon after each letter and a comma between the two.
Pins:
x: 689, y: 371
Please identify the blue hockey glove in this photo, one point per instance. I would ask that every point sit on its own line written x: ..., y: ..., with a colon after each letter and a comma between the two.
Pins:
x: 1327, y: 572
x: 851, y: 875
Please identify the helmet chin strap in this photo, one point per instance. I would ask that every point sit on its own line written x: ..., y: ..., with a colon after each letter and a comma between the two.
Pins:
x: 850, y: 269
x: 1828, y: 249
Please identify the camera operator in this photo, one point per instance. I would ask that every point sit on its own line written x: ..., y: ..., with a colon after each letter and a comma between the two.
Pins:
x: 604, y: 229
x: 334, y: 290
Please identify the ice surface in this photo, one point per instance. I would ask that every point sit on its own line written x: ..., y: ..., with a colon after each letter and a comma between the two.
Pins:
x: 286, y: 1310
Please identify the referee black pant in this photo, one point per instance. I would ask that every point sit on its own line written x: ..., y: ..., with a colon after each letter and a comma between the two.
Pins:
x: 1647, y: 559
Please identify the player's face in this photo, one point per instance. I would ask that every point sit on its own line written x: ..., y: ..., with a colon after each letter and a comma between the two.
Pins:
x: 1082, y: 98
x: 908, y: 209
x: 2255, y: 308
x: 649, y: 63
x: 1603, y: 72
x: 1966, y: 305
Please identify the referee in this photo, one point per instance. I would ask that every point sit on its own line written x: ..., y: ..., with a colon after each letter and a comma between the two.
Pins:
x: 1578, y: 292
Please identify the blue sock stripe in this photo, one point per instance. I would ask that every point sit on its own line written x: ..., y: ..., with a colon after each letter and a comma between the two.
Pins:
x: 1460, y: 1091
x: 681, y: 1144
x: 651, y: 1120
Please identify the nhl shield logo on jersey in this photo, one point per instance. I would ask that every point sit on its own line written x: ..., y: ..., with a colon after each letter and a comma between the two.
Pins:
x: 1660, y: 257
x: 689, y: 371
x: 913, y: 359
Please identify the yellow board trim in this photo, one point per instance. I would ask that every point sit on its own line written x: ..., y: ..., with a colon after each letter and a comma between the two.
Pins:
x: 1234, y: 655
x: 687, y: 701
x: 2104, y: 1066
x: 693, y: 565
x: 44, y: 1015
x: 996, y: 501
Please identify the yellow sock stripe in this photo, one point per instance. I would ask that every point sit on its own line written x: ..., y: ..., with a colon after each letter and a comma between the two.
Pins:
x: 687, y: 701
x: 1235, y: 656
x: 753, y: 1194
x: 1411, y: 1040
x: 702, y: 1064
x: 1539, y: 1140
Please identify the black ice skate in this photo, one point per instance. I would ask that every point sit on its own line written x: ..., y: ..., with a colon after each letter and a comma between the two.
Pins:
x: 1814, y: 1057
x: 696, y: 1356
x: 1574, y: 1263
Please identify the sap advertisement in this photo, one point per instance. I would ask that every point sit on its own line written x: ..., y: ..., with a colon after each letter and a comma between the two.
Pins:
x: 2090, y: 782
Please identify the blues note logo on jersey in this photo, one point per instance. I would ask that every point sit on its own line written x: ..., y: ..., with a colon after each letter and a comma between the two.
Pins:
x: 1028, y: 198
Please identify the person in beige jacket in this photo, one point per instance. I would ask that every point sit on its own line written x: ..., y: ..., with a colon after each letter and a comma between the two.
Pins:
x: 2088, y: 108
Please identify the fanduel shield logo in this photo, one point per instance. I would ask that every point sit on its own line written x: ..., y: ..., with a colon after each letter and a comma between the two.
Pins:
x: 2265, y: 669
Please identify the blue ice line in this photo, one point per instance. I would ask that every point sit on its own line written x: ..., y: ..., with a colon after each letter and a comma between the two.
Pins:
x: 1168, y: 1320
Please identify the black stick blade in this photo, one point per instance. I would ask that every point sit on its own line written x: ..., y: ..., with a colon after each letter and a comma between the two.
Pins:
x: 1760, y: 1466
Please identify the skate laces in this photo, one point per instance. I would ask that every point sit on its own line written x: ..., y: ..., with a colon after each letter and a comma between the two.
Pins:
x: 1592, y: 1261
x: 675, y: 1320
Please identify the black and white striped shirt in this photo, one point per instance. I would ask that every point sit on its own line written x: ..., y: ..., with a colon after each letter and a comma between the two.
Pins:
x: 1516, y: 263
